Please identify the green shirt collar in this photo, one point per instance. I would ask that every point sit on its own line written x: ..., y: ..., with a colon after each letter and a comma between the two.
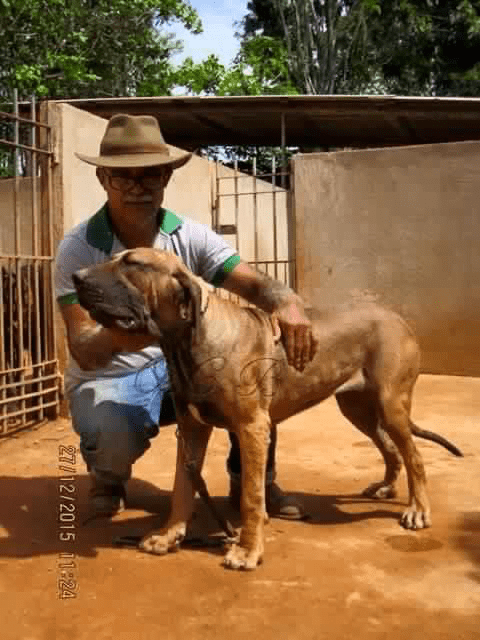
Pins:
x: 100, y: 233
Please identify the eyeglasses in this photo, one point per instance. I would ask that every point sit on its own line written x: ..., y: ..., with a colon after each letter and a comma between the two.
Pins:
x: 150, y: 179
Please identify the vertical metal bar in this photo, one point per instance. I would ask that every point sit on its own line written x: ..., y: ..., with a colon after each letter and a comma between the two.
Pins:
x: 291, y: 232
x: 236, y: 202
x: 255, y: 211
x: 11, y: 326
x: 216, y: 213
x: 283, y: 135
x: 211, y: 180
x: 34, y: 281
x: 274, y: 211
x: 19, y: 269
x: 51, y: 204
x: 3, y: 422
x: 16, y: 140
x: 33, y: 139
x: 20, y: 335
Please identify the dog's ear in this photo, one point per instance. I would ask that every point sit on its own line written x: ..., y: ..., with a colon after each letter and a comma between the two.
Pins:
x: 193, y: 298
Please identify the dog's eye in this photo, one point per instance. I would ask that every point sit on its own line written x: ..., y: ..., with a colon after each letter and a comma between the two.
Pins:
x: 127, y: 324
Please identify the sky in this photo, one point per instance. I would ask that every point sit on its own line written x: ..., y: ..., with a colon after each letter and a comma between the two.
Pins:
x: 217, y: 18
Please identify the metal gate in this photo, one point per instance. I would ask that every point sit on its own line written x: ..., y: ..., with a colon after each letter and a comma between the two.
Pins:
x: 253, y: 212
x: 29, y: 371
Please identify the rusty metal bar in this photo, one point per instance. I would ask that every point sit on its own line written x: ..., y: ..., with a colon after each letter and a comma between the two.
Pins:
x: 36, y: 275
x: 251, y: 193
x: 34, y: 409
x: 26, y: 257
x: 8, y: 143
x: 32, y: 394
x: 33, y: 138
x: 51, y: 249
x: 45, y: 363
x: 283, y: 136
x: 20, y: 333
x: 15, y: 173
x: 217, y: 198
x: 235, y: 187
x: 12, y: 116
x: 259, y: 175
x: 13, y: 431
x: 18, y: 247
x: 274, y: 214
x: 26, y: 288
x: 2, y: 340
x: 255, y: 210
x: 267, y: 261
x: 29, y: 396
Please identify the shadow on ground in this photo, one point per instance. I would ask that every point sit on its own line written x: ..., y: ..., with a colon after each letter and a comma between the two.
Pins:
x: 468, y: 540
x: 31, y: 524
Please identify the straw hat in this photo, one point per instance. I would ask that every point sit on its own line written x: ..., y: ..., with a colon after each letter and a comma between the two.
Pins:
x: 135, y: 141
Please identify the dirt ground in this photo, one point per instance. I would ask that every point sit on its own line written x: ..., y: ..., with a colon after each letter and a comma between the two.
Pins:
x: 350, y: 571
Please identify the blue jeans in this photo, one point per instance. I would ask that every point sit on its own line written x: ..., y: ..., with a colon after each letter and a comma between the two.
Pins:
x: 116, y: 418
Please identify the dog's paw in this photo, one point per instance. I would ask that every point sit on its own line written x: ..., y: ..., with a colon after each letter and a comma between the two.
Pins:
x: 238, y: 557
x: 164, y: 540
x: 415, y: 519
x: 380, y: 491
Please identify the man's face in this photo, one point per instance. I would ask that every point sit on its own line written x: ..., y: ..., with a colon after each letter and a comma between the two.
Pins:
x: 139, y: 191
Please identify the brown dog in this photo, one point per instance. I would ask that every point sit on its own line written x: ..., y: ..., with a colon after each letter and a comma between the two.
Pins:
x: 229, y: 369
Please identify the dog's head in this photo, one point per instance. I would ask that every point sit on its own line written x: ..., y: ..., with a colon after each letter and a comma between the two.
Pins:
x: 144, y: 290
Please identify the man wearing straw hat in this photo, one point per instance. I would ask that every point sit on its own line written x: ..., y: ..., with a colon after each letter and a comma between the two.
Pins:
x: 117, y: 382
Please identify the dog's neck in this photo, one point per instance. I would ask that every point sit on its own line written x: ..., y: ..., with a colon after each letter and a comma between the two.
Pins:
x: 197, y: 352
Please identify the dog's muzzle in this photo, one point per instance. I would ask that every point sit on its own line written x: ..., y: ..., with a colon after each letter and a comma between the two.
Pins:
x: 110, y: 302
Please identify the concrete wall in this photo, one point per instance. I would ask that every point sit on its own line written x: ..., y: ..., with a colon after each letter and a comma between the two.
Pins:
x: 402, y: 226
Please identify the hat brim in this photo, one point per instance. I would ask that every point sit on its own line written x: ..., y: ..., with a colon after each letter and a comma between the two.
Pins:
x: 174, y: 160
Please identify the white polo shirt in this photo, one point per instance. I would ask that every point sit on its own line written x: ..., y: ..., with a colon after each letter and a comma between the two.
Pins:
x: 93, y: 242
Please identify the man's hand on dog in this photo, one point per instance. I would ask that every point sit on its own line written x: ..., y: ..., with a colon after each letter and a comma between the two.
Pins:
x: 300, y: 343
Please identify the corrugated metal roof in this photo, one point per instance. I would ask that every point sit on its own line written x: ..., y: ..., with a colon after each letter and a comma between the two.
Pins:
x: 320, y: 121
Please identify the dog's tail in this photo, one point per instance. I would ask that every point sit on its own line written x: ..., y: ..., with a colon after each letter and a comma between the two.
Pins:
x: 434, y: 437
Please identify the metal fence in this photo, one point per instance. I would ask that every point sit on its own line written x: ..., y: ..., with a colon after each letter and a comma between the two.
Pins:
x: 256, y: 208
x: 29, y: 370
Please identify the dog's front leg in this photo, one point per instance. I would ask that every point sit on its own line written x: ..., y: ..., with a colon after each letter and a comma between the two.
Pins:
x: 253, y: 439
x: 192, y: 445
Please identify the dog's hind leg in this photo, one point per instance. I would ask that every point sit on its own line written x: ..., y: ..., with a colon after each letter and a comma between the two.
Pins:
x: 359, y: 404
x: 395, y: 401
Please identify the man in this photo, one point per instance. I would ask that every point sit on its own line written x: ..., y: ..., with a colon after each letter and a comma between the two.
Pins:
x: 117, y: 382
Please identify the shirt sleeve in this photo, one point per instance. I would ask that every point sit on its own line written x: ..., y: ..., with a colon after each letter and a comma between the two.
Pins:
x: 72, y: 254
x: 213, y: 257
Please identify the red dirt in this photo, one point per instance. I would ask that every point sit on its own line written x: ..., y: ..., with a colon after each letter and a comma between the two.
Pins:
x: 351, y: 571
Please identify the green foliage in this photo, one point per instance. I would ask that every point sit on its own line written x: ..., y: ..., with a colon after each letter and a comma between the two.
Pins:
x: 89, y: 48
x: 427, y: 48
x: 261, y: 68
x: 413, y: 47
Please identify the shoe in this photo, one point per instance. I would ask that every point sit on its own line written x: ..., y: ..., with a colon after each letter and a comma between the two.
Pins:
x: 279, y: 504
x: 106, y: 499
x: 282, y: 505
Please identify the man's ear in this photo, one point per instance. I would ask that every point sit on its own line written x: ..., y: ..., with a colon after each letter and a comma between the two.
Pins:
x: 100, y: 172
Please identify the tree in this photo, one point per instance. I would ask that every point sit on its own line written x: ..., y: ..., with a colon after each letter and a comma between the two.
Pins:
x: 325, y: 40
x: 428, y: 47
x: 89, y: 48
x: 416, y: 47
